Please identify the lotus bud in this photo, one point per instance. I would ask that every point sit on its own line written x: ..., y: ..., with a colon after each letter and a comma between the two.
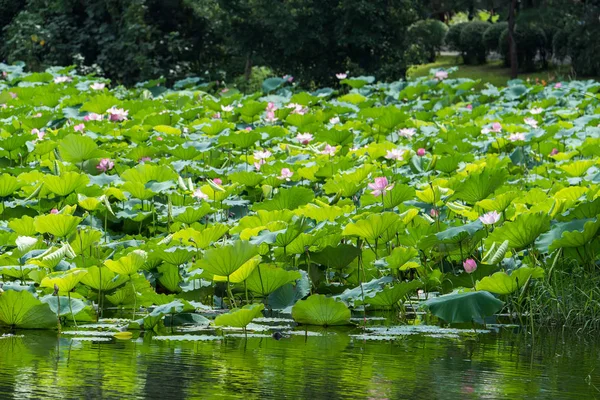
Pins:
x: 55, y: 289
x: 470, y: 265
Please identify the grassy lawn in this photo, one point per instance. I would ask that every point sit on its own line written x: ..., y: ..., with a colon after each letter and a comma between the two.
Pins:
x: 493, y: 72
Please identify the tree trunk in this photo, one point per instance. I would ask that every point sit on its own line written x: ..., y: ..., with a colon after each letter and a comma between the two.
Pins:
x: 512, y: 45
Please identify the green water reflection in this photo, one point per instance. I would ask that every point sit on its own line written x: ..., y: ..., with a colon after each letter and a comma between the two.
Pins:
x: 42, y: 365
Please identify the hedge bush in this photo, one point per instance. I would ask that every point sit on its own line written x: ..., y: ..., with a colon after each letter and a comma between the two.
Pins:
x: 429, y: 35
x: 471, y: 42
x: 453, y: 36
x: 491, y: 37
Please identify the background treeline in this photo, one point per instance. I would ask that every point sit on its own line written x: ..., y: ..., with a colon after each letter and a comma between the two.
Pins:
x: 135, y: 40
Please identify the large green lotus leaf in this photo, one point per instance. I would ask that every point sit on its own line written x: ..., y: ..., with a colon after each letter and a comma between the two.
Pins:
x: 72, y: 309
x: 400, y: 256
x: 372, y: 227
x: 523, y: 231
x: 103, y: 279
x: 138, y: 190
x: 169, y: 277
x: 241, y: 140
x: 99, y: 104
x: 66, y: 183
x: 346, y: 188
x: 290, y: 293
x: 463, y: 306
x: 23, y: 226
x: 392, y: 295
x: 84, y: 240
x: 251, y: 109
x: 201, y: 239
x: 242, y: 273
x: 78, y: 148
x: 502, y: 283
x: 321, y: 310
x: 398, y: 195
x: 8, y: 185
x: 144, y: 173
x: 17, y: 271
x: 287, y: 199
x: 64, y: 280
x: 58, y: 225
x: 240, y: 317
x: 323, y: 212
x: 575, y: 233
x: 226, y: 260
x: 585, y: 210
x: 266, y: 279
x: 176, y: 255
x: 262, y: 219
x: 193, y: 214
x: 458, y: 234
x: 495, y: 254
x: 129, y: 264
x: 577, y: 168
x: 22, y: 309
x: 246, y: 178
x: 498, y: 203
x: 337, y: 257
x: 53, y: 256
x: 478, y: 186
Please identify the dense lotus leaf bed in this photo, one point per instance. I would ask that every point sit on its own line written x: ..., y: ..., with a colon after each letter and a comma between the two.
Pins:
x: 184, y: 209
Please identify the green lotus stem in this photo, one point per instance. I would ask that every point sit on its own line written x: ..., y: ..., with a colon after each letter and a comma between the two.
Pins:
x: 70, y: 308
x: 262, y: 288
x: 134, y: 297
x: 231, y: 299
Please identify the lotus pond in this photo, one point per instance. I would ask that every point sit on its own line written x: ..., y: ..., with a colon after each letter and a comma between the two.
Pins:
x: 198, y: 214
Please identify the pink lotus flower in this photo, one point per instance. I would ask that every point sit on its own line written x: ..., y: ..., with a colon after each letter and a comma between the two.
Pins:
x: 13, y: 95
x: 421, y: 152
x: 285, y: 174
x: 271, y: 107
x: 329, y: 150
x: 54, y: 211
x: 380, y: 186
x: 262, y: 154
x: 159, y: 138
x: 218, y: 181
x: 341, y: 75
x: 105, y: 165
x: 117, y: 114
x: 271, y: 116
x: 531, y: 122
x: 407, y: 133
x: 496, y: 127
x: 515, y: 137
x: 216, y: 116
x: 469, y: 265
x: 200, y: 195
x: 334, y: 120
x: 441, y: 75
x: 248, y: 128
x: 298, y: 109
x: 224, y: 90
x: 554, y: 152
x: 558, y: 85
x: 469, y: 106
x: 92, y: 117
x: 304, y: 138
x: 40, y: 134
x: 38, y: 115
x: 536, y: 110
x: 227, y: 108
x: 288, y: 78
x: 145, y: 159
x: 97, y: 86
x: 79, y: 127
x: 490, y: 218
x: 434, y: 213
x: 258, y: 164
x: 395, y: 154
x: 62, y: 79
x: 485, y: 131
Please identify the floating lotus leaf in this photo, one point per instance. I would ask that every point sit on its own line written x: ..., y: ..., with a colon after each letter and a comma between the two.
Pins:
x: 321, y: 310
x: 21, y: 309
x: 463, y: 306
x: 240, y: 317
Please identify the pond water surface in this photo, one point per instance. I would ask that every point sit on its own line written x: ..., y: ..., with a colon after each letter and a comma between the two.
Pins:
x: 334, y: 366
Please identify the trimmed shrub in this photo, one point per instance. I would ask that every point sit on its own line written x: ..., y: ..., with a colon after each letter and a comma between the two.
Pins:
x: 429, y: 35
x: 453, y: 36
x: 530, y: 40
x: 471, y: 42
x: 491, y: 37
x: 584, y: 49
x: 560, y: 44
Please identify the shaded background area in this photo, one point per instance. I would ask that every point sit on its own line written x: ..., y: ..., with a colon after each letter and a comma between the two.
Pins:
x: 135, y: 40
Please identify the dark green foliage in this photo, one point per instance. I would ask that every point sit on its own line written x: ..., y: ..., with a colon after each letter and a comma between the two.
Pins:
x: 471, y: 42
x: 453, y: 36
x: 584, y: 48
x: 530, y: 40
x: 428, y: 36
x: 491, y: 37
